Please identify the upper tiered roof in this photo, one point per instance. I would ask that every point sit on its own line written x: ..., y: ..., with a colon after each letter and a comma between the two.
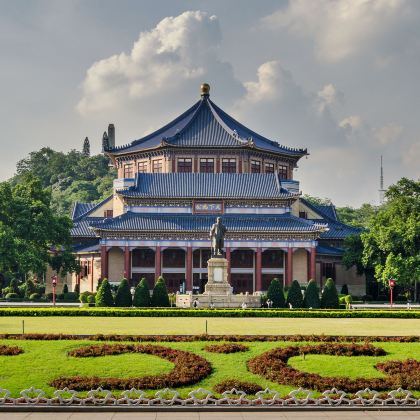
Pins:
x: 205, y: 125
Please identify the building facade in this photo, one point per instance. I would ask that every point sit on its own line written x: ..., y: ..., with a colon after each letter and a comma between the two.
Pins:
x: 171, y: 186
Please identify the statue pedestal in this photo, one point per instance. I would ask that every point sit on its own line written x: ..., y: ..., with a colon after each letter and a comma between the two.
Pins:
x: 217, y: 277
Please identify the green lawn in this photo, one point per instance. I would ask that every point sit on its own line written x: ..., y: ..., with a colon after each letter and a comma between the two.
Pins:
x: 173, y: 325
x: 46, y: 360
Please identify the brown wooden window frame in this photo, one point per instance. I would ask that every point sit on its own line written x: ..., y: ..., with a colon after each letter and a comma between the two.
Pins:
x: 269, y: 168
x: 128, y: 170
x: 255, y: 166
x: 228, y: 165
x: 206, y: 164
x: 142, y: 167
x: 283, y: 171
x: 184, y: 165
x: 157, y: 166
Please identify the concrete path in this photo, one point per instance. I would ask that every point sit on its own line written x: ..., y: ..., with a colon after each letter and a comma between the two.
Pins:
x: 279, y: 415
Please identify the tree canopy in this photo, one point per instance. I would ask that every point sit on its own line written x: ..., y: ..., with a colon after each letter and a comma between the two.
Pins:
x: 391, y: 245
x: 72, y: 176
x: 32, y: 235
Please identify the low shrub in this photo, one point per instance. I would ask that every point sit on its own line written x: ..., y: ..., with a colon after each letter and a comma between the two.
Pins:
x: 71, y: 296
x: 12, y: 296
x: 189, y: 368
x: 90, y: 298
x: 65, y: 289
x: 34, y: 296
x: 229, y: 384
x: 226, y: 348
x: 10, y: 350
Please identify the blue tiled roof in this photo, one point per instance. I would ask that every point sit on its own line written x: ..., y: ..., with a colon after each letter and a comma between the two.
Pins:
x: 82, y: 210
x: 89, y: 247
x: 81, y: 228
x: 192, y: 222
x: 206, y: 125
x: 329, y: 250
x: 327, y: 211
x: 338, y: 230
x: 207, y: 185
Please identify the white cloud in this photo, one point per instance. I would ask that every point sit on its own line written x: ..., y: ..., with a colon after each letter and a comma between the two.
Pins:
x: 328, y: 96
x: 339, y: 28
x: 179, y: 52
x: 351, y: 123
x: 388, y: 134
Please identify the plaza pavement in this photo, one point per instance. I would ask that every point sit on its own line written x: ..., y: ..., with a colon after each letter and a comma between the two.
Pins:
x: 275, y: 415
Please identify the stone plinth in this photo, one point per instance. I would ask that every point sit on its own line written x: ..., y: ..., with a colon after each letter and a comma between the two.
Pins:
x: 218, y: 291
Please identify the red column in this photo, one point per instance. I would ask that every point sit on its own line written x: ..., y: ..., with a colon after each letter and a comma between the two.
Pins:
x: 173, y: 165
x: 157, y: 262
x: 218, y: 165
x: 127, y: 263
x: 91, y: 274
x: 104, y: 262
x: 258, y: 269
x: 313, y: 263
x: 228, y: 260
x: 240, y: 165
x: 188, y: 275
x: 289, y: 274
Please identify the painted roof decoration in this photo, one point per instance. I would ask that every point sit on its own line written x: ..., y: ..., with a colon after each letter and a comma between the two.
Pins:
x: 82, y: 210
x: 207, y: 185
x: 201, y: 223
x: 206, y: 125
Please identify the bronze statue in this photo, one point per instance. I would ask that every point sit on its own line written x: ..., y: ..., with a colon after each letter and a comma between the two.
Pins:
x: 217, y: 236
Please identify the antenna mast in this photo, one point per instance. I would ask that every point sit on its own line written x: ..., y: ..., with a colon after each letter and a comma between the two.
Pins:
x: 381, y: 185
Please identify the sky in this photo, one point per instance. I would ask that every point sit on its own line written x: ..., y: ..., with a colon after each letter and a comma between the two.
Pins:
x: 340, y: 77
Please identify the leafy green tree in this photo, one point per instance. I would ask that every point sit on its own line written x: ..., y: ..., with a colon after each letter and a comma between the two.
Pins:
x: 359, y: 217
x: 329, y: 298
x: 104, y: 295
x: 294, y: 296
x: 160, y: 294
x: 142, y: 294
x: 123, y: 296
x: 311, y: 299
x: 392, y: 242
x: 32, y: 235
x: 276, y: 294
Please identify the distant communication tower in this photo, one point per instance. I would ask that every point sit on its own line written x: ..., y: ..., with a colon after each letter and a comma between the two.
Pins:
x: 381, y: 185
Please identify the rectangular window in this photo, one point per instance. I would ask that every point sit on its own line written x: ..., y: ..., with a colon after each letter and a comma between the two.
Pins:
x: 207, y: 165
x: 269, y: 168
x: 142, y: 167
x: 184, y: 165
x: 108, y: 214
x: 128, y: 170
x: 283, y: 171
x: 229, y: 165
x: 157, y: 166
x: 303, y: 215
x: 255, y: 166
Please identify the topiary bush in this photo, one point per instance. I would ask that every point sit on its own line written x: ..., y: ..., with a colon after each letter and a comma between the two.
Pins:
x: 160, y: 294
x: 123, y: 296
x: 12, y: 296
x: 30, y: 288
x: 14, y: 286
x: 77, y: 289
x: 276, y: 294
x: 294, y: 297
x: 344, y: 290
x: 90, y: 298
x: 104, y: 295
x: 312, y: 299
x: 65, y: 289
x: 142, y: 294
x: 70, y: 296
x: 329, y: 298
x: 34, y: 296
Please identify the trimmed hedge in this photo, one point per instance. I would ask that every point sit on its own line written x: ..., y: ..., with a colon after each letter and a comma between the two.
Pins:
x: 212, y: 313
x: 272, y: 365
x: 248, y: 387
x: 226, y: 348
x: 10, y: 350
x: 189, y: 368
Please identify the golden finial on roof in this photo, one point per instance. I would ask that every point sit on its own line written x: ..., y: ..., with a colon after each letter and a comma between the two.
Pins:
x: 205, y: 89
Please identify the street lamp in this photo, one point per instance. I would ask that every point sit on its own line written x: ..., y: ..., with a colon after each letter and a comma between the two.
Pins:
x: 391, y: 283
x: 54, y: 285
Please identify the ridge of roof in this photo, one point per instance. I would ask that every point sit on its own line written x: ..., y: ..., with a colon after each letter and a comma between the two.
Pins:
x: 237, y: 132
x: 90, y: 207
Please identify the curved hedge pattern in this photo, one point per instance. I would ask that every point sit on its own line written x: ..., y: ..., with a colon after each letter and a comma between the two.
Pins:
x: 229, y: 384
x: 226, y: 348
x: 272, y: 365
x: 189, y: 368
x: 10, y: 350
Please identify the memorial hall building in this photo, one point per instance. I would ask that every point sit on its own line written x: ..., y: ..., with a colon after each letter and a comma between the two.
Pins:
x: 172, y: 185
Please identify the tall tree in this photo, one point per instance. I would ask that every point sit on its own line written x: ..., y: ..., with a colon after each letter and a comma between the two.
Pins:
x: 32, y: 235
x: 142, y: 294
x: 86, y: 147
x: 276, y: 294
x: 391, y: 244
x: 123, y: 296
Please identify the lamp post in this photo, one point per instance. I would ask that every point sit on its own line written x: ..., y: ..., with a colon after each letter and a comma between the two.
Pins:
x: 54, y: 285
x: 391, y: 283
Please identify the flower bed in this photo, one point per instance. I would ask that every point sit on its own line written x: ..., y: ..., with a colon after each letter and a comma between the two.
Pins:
x: 272, y: 365
x: 229, y: 384
x: 10, y: 350
x: 226, y: 348
x: 189, y: 368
